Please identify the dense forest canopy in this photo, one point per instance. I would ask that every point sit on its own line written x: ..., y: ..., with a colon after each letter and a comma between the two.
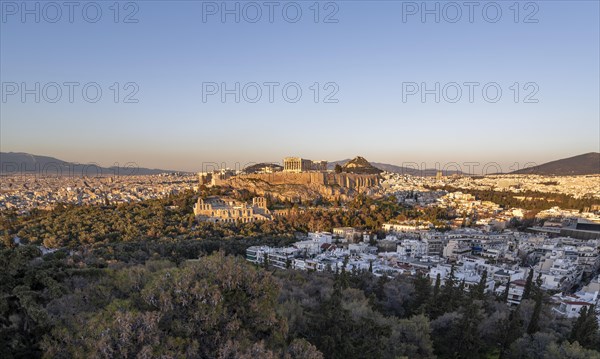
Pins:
x: 172, y: 218
x: 91, y: 304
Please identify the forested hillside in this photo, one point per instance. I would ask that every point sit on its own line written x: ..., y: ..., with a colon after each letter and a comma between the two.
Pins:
x: 150, y: 303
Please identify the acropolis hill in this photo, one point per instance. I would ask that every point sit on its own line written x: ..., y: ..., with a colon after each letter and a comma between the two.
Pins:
x: 303, y: 179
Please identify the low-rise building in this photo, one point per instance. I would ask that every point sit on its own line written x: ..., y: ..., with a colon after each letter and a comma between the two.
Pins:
x: 406, y: 227
x: 412, y: 248
x: 347, y: 233
x: 515, y: 291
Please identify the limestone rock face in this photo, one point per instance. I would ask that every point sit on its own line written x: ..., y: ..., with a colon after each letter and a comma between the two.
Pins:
x: 307, y: 186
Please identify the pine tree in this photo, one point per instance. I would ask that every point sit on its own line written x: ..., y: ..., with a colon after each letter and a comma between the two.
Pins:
x: 528, y: 285
x: 436, y: 287
x: 344, y: 280
x: 535, y: 317
x: 469, y: 344
x: 511, y: 331
x: 433, y: 307
x: 422, y: 286
x: 504, y: 297
x: 479, y: 291
x: 539, y: 281
x: 449, y: 295
x: 380, y: 287
x: 461, y: 289
x: 585, y: 329
x: 579, y: 323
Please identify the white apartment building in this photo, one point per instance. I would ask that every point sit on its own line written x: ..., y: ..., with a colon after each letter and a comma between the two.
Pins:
x: 557, y: 272
x: 406, y: 227
x: 412, y: 248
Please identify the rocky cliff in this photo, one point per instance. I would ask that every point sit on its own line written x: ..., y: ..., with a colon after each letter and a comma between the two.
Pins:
x: 307, y: 185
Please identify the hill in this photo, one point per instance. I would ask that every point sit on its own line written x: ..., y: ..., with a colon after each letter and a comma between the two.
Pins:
x: 359, y: 165
x: 25, y: 163
x: 586, y: 164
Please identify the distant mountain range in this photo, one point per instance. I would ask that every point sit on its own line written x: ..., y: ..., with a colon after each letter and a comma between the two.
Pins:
x: 19, y: 162
x: 586, y: 164
x: 22, y: 163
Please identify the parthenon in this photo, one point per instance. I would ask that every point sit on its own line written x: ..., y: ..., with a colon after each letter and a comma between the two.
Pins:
x: 297, y: 165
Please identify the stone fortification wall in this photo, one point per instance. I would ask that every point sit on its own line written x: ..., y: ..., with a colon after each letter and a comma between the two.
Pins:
x: 344, y: 180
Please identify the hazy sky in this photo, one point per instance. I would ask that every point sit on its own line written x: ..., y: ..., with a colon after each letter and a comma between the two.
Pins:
x: 370, y: 60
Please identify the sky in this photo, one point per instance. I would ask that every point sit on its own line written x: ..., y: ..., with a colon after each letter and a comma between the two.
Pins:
x: 181, y: 84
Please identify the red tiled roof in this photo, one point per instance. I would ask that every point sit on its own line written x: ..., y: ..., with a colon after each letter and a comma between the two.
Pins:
x: 577, y: 303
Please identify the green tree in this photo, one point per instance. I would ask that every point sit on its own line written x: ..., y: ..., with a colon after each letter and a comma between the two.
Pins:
x: 456, y: 334
x: 434, y: 308
x: 505, y: 294
x: 450, y: 294
x: 585, y: 329
x: 510, y: 330
x: 410, y: 338
x: 422, y: 294
x: 535, y: 317
x: 217, y: 305
x: 528, y: 285
x: 478, y: 291
x: 568, y: 350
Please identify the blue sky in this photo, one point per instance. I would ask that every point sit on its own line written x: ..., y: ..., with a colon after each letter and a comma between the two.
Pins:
x: 369, y: 58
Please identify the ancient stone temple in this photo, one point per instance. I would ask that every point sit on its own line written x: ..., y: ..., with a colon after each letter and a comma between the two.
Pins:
x: 298, y: 165
x: 219, y: 210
